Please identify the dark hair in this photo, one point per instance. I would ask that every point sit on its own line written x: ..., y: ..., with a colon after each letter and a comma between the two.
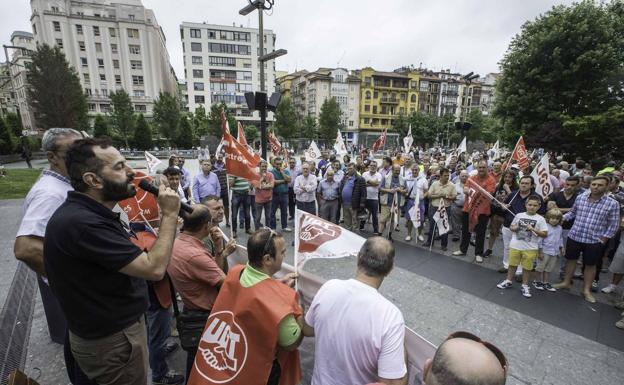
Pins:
x: 602, y: 176
x: 444, y: 170
x: 574, y: 178
x: 376, y: 257
x: 535, y: 198
x: 197, y: 219
x: 172, y: 158
x: 387, y: 159
x: 528, y: 177
x: 514, y: 183
x: 170, y: 171
x: 210, y: 198
x: 81, y: 159
x: 259, y: 244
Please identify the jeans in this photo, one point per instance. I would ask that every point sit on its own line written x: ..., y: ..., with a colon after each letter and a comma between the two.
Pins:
x: 280, y: 201
x: 266, y: 206
x: 432, y: 227
x: 480, y: 234
x: 308, y: 207
x: 159, y: 329
x: 372, y: 205
x: 456, y: 220
x: 240, y: 202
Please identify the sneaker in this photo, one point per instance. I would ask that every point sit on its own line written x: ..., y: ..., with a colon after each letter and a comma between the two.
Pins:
x: 609, y: 289
x: 421, y: 238
x: 234, y: 235
x: 549, y: 287
x: 408, y: 238
x: 169, y: 379
x: 172, y: 347
x: 487, y: 253
x: 458, y: 253
x: 538, y: 285
x: 620, y: 324
x: 594, y: 286
x: 287, y: 229
x: 505, y: 284
x: 619, y: 305
x: 589, y: 297
x: 526, y: 292
x: 478, y: 259
x: 502, y: 270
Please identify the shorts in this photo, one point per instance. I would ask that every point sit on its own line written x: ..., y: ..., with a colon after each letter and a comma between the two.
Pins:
x: 592, y: 252
x: 524, y: 258
x: 385, y: 214
x: 547, y: 264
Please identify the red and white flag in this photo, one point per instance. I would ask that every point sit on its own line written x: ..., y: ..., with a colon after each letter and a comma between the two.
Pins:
x: 152, y: 162
x: 241, y: 135
x: 339, y: 146
x: 442, y: 221
x: 276, y: 146
x: 380, y: 142
x: 238, y: 160
x: 225, y: 126
x: 519, y: 154
x: 318, y: 238
x: 479, y: 200
x: 541, y: 176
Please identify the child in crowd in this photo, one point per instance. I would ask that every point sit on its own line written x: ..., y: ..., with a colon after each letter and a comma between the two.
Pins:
x: 527, y: 228
x: 550, y: 251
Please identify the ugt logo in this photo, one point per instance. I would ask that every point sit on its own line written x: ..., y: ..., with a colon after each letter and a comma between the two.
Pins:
x: 315, y: 231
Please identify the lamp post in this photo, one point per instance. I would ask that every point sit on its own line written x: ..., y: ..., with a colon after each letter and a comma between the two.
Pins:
x: 261, y: 6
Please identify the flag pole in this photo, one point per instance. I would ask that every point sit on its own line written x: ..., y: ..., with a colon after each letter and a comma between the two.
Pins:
x: 296, y: 240
x: 435, y: 226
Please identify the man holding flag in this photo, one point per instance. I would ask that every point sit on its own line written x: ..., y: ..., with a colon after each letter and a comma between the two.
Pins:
x: 441, y: 195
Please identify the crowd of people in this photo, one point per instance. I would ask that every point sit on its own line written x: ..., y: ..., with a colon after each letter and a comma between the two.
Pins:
x: 116, y: 284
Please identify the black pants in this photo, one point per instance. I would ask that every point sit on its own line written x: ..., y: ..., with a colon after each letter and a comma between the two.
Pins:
x: 479, y: 233
x: 291, y: 202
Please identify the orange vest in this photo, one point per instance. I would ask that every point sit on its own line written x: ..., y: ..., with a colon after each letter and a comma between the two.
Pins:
x: 239, y: 343
x: 145, y: 240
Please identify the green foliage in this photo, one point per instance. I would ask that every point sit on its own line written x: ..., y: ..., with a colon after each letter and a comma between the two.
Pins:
x: 14, y: 123
x: 561, y: 72
x: 329, y: 119
x: 185, y: 138
x: 142, y: 134
x: 7, y: 140
x: 100, y: 126
x: 251, y: 133
x: 286, y: 123
x: 200, y: 121
x: 55, y: 93
x: 122, y: 115
x: 309, y: 128
x: 483, y: 127
x: 214, y: 120
x: 167, y: 115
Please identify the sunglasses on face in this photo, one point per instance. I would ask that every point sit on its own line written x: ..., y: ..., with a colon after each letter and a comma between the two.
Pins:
x: 496, y: 351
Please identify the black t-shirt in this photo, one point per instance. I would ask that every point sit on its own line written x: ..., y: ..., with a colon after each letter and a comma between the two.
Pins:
x: 563, y: 203
x: 85, y: 246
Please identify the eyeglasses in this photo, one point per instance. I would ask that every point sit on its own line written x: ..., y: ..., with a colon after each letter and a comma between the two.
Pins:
x: 267, y: 245
x: 496, y: 351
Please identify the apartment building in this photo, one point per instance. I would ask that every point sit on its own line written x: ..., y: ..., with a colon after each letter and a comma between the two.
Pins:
x: 22, y: 45
x: 221, y: 64
x: 112, y: 44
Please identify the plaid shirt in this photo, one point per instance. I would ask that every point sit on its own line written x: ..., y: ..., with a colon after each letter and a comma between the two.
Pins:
x: 57, y: 176
x: 593, y: 220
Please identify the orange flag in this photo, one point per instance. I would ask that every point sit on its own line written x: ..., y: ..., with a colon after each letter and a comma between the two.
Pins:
x: 381, y: 142
x: 276, y: 146
x: 519, y: 154
x: 238, y: 160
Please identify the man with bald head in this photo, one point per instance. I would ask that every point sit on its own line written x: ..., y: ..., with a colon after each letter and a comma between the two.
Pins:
x: 464, y: 360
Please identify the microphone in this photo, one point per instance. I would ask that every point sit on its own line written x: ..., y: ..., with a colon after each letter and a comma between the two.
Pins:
x: 147, y: 186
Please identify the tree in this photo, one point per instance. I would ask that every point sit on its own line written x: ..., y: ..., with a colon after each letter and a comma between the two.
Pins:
x: 286, y: 119
x: 14, y: 123
x: 309, y: 128
x: 200, y: 121
x: 54, y: 91
x: 329, y: 119
x: 122, y: 115
x: 185, y: 137
x: 7, y: 140
x: 142, y: 134
x: 167, y: 115
x: 214, y: 120
x: 100, y: 126
x: 251, y: 133
x: 563, y: 70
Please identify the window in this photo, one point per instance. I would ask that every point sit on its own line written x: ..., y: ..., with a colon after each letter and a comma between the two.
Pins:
x: 139, y: 93
x: 350, y: 123
x: 200, y: 99
x: 212, y: 34
x: 86, y: 78
x: 368, y: 95
x: 223, y: 61
x: 136, y: 64
x: 88, y: 91
x: 229, y: 48
x: 59, y: 43
x: 98, y: 47
x: 366, y: 108
x: 83, y: 61
x: 366, y: 120
x: 118, y: 80
x: 198, y: 73
x: 196, y: 47
x: 115, y: 63
x: 102, y: 77
x: 131, y: 17
x: 242, y: 87
x: 105, y: 107
x: 112, y: 32
x: 196, y: 59
x: 54, y: 9
x: 113, y: 48
x: 140, y: 108
x: 375, y: 95
x: 57, y: 26
x: 137, y: 80
x: 34, y: 29
x: 374, y: 109
x: 100, y: 63
x: 81, y: 46
x: 134, y: 49
x: 133, y: 33
x: 91, y: 106
x: 198, y: 86
x: 96, y: 30
x: 196, y: 33
x: 78, y: 29
x: 413, y: 98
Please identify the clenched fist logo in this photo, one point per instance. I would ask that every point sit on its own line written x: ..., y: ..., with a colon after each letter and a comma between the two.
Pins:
x: 314, y: 232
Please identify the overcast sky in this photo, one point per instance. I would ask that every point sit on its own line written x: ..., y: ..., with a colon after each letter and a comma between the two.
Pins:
x: 462, y: 35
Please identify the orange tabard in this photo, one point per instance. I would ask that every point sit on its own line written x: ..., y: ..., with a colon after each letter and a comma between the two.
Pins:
x: 239, y: 343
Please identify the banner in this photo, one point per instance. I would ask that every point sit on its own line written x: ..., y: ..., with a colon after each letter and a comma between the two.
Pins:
x: 312, y: 154
x: 519, y: 155
x: 442, y: 221
x: 414, y: 212
x: 142, y: 206
x: 339, y: 146
x: 276, y: 146
x: 380, y: 142
x: 478, y: 201
x: 457, y: 152
x: 541, y: 176
x: 494, y: 152
x: 241, y: 135
x: 408, y: 140
x: 318, y: 238
x: 152, y: 163
x: 238, y: 161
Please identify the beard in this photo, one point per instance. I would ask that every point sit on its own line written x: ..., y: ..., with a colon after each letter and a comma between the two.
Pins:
x: 115, y: 191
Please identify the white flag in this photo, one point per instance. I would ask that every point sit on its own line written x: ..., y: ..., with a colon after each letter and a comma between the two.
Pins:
x: 318, y: 238
x: 441, y: 219
x: 414, y: 212
x: 541, y: 176
x: 408, y: 140
x: 152, y: 162
x: 462, y: 147
x: 312, y: 153
x: 339, y: 146
x: 494, y: 151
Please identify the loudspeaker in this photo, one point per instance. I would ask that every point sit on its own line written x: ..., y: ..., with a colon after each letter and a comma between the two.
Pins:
x: 274, y: 101
x: 250, y: 97
x: 261, y: 101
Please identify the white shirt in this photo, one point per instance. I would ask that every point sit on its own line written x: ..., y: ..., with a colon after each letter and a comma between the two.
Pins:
x: 359, y: 335
x: 45, y: 196
x: 419, y: 185
x: 309, y: 183
x: 372, y: 192
x: 524, y: 239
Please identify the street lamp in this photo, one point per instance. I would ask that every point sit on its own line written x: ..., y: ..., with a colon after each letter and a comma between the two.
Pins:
x: 261, y: 6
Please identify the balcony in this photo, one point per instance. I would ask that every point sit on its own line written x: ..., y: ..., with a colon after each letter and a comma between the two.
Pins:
x: 389, y: 100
